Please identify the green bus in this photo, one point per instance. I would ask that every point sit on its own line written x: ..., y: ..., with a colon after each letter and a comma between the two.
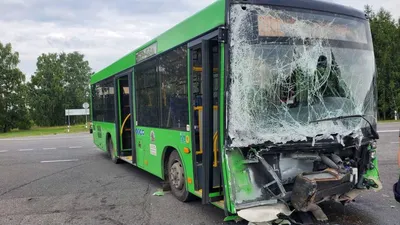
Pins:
x: 261, y: 108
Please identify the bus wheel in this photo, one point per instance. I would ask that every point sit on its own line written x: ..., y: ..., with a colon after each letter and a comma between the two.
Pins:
x: 111, y: 151
x: 177, y: 179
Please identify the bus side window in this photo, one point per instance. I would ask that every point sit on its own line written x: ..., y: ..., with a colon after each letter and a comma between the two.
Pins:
x: 174, y: 91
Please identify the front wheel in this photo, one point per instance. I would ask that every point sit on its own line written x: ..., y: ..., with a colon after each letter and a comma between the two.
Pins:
x: 176, y: 178
x: 112, y: 151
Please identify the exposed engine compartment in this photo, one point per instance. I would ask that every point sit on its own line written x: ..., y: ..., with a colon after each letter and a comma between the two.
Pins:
x: 302, y: 175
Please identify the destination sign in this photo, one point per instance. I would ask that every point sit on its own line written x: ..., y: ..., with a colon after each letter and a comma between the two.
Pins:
x: 146, y: 53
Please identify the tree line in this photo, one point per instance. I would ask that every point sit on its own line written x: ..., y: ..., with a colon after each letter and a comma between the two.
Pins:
x: 386, y: 39
x: 61, y: 80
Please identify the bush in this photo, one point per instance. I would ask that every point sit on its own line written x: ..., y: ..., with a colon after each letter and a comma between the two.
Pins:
x: 24, y: 123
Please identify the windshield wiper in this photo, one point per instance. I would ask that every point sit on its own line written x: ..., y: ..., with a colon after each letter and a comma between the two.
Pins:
x: 375, y: 134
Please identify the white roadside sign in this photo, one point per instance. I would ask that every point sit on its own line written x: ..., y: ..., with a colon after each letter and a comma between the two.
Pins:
x: 76, y: 112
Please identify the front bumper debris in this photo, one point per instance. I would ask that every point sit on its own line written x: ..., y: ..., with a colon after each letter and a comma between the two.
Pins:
x: 311, y: 188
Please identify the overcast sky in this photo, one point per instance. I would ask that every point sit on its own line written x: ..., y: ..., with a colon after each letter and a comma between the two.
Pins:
x: 103, y: 30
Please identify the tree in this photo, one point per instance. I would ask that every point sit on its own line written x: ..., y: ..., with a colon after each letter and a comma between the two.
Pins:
x: 60, y: 82
x: 13, y: 112
x: 385, y: 35
x: 77, y: 78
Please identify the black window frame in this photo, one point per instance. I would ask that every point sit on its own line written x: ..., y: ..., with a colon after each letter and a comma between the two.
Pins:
x: 173, y: 72
x: 104, y: 108
x: 141, y: 85
x: 156, y: 59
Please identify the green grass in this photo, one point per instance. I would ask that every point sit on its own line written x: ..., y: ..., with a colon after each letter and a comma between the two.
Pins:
x: 388, y: 121
x: 38, y: 131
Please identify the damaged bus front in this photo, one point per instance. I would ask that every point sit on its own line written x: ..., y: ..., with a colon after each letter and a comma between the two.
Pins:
x: 301, y: 110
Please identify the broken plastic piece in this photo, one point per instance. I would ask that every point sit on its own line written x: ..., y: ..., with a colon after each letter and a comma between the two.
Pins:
x: 317, y: 212
x: 159, y: 193
x: 265, y: 213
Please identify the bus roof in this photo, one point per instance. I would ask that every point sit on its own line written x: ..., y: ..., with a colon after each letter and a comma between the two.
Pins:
x: 207, y: 19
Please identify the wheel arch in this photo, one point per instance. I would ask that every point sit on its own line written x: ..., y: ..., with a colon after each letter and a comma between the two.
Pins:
x: 108, y: 137
x: 165, y: 156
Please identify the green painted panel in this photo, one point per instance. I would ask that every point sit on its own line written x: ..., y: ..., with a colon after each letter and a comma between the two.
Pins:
x: 373, y: 173
x: 224, y: 162
x: 100, y: 131
x: 153, y: 142
x: 203, y: 21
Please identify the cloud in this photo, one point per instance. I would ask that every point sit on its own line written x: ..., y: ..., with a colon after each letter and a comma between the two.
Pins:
x: 103, y: 30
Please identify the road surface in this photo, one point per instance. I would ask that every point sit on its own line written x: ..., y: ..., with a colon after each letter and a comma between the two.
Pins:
x: 65, y: 179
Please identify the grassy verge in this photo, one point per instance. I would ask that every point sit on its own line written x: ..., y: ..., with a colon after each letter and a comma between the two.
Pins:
x: 38, y: 131
x: 388, y: 121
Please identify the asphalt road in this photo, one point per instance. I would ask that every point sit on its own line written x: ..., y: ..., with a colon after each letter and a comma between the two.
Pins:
x: 65, y: 179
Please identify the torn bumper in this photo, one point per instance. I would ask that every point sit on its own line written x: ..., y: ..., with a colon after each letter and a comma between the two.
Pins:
x: 311, y: 188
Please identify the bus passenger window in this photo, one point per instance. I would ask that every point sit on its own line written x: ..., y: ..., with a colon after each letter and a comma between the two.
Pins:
x: 174, y: 93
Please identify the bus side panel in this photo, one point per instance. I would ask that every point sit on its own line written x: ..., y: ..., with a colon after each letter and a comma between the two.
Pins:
x: 100, y: 131
x: 154, y: 141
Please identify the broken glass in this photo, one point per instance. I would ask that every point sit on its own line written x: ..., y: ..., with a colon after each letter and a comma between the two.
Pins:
x: 289, y: 68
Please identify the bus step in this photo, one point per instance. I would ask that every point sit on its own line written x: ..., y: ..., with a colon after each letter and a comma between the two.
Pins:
x: 127, y: 159
x: 220, y: 204
x: 215, y: 196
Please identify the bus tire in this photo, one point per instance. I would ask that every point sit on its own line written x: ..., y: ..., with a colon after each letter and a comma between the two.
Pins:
x: 111, y: 151
x: 176, y: 178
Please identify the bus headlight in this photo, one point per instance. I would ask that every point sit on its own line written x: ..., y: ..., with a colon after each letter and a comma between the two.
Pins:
x: 373, y: 155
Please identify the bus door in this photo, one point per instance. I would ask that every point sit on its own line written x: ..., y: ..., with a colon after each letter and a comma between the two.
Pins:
x: 125, y: 122
x: 204, y: 64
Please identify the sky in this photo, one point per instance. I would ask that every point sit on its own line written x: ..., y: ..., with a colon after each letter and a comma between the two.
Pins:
x: 103, y: 30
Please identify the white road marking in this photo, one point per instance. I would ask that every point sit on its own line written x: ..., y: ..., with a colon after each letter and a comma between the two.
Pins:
x: 42, y: 138
x: 26, y: 150
x: 395, y: 142
x: 64, y: 160
x: 3, y: 151
x: 49, y: 148
x: 75, y: 147
x: 388, y: 131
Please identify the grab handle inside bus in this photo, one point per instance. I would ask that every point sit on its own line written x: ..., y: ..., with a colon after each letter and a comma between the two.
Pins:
x: 123, y: 124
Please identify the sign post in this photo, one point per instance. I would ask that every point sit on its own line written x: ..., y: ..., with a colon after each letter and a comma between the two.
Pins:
x: 86, y: 106
x: 69, y: 123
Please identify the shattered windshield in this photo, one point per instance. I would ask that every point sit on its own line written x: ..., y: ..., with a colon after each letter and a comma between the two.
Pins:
x: 290, y: 68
